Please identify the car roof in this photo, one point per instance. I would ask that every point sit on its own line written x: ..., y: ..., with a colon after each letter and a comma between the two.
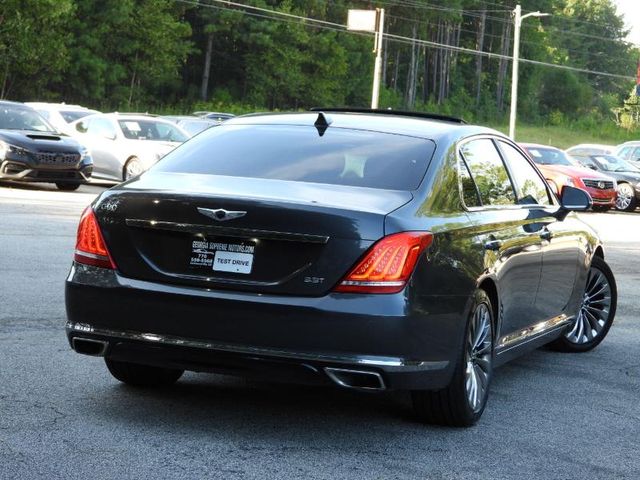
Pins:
x: 382, y: 122
x: 538, y: 145
x: 129, y: 116
x: 630, y: 143
x: 65, y: 106
x: 592, y: 145
x: 190, y: 118
x: 10, y: 103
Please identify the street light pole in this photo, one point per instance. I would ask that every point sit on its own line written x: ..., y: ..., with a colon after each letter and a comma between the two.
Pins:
x: 371, y: 21
x: 377, y: 69
x: 518, y: 18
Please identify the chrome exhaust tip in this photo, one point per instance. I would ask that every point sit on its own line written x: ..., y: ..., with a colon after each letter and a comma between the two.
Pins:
x: 89, y: 346
x: 358, y: 379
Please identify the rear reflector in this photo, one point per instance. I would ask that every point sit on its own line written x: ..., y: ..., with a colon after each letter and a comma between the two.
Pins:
x: 90, y: 246
x: 388, y: 264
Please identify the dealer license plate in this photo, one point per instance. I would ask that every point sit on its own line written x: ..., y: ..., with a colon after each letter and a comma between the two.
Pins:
x: 223, y: 255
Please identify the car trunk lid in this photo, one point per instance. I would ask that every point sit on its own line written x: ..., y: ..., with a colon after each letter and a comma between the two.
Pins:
x: 244, y: 234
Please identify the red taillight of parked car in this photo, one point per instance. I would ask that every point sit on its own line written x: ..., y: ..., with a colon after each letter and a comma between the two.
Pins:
x: 388, y: 265
x: 90, y: 246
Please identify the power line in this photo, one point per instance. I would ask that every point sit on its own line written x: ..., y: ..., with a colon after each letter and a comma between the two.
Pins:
x: 523, y: 42
x: 397, y: 38
x: 466, y: 13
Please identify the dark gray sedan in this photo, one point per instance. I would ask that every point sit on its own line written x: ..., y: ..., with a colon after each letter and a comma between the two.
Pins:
x: 371, y: 250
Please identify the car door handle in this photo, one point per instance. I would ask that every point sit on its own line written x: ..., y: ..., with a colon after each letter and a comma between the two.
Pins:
x: 546, y: 234
x: 493, y: 245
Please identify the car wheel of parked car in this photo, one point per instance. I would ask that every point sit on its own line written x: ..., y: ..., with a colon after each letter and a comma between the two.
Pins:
x: 597, y: 311
x: 67, y: 187
x: 626, y: 199
x: 142, y: 375
x: 462, y: 402
x: 132, y: 168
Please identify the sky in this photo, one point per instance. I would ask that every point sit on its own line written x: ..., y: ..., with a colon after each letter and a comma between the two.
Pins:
x: 631, y: 11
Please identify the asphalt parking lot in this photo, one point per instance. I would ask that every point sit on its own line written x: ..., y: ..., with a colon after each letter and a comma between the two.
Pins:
x: 550, y: 415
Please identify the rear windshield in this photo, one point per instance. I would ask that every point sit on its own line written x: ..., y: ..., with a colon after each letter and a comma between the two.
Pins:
x: 300, y: 153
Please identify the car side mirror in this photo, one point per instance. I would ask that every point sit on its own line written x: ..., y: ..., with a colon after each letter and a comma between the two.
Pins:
x: 592, y: 167
x: 573, y: 199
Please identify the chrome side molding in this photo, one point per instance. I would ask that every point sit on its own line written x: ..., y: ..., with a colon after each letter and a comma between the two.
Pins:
x: 533, y: 331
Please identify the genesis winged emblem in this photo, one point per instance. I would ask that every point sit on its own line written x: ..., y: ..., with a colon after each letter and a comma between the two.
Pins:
x: 220, y: 214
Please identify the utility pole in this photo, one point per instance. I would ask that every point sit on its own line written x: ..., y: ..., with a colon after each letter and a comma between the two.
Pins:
x: 377, y: 68
x: 371, y: 21
x: 518, y: 18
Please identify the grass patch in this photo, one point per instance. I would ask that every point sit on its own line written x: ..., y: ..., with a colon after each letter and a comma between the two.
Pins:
x: 565, y: 136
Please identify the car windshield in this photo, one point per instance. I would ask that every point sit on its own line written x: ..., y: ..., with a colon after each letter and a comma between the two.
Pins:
x: 139, y: 129
x: 611, y: 163
x: 19, y: 118
x: 336, y: 156
x: 73, y: 115
x: 549, y: 156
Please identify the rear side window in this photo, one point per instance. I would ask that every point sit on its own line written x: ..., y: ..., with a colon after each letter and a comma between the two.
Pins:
x: 488, y: 172
x: 299, y: 153
x: 530, y: 187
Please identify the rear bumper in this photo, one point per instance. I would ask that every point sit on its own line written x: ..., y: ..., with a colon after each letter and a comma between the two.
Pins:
x: 274, y: 337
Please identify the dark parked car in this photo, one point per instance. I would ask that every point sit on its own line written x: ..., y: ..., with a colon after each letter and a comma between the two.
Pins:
x: 629, y: 151
x: 370, y: 250
x: 32, y: 151
x: 626, y: 175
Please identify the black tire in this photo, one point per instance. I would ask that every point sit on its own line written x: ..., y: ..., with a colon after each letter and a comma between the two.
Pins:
x: 569, y: 343
x: 142, y: 375
x: 67, y: 187
x: 451, y: 406
x: 132, y: 168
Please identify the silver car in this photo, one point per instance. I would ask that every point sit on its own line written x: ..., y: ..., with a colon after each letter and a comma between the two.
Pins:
x: 125, y: 145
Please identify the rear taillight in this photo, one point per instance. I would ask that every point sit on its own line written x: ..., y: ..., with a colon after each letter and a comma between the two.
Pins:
x: 388, y: 265
x: 90, y: 246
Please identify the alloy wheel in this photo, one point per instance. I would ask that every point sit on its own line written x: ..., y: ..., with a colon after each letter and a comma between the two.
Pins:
x: 624, y: 196
x: 594, y: 311
x: 132, y: 169
x: 478, y: 357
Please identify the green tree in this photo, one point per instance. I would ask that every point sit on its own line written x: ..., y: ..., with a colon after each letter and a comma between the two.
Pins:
x: 33, y: 44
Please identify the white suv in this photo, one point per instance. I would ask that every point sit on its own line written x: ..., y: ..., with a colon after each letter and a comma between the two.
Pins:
x: 60, y: 115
